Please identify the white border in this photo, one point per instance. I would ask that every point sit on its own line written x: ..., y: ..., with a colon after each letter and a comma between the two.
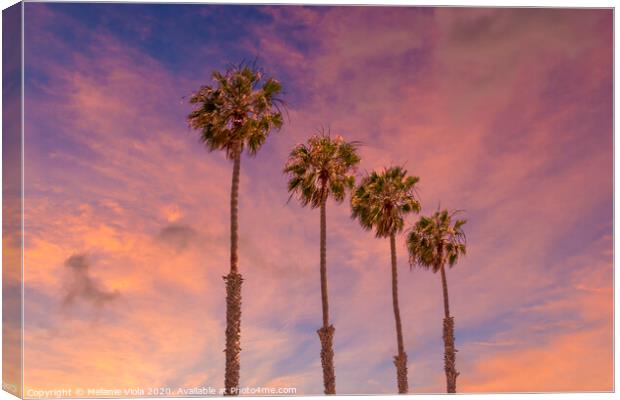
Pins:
x: 478, y: 3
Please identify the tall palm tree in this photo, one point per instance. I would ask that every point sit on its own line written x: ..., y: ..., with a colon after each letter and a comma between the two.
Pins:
x: 381, y: 202
x: 322, y: 168
x: 236, y: 112
x: 432, y: 242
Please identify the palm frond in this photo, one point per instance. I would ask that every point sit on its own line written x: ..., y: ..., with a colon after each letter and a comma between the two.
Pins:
x: 322, y: 167
x: 435, y: 240
x: 238, y: 111
x: 383, y: 199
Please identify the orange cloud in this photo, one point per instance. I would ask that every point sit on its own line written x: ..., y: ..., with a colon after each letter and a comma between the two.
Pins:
x: 581, y: 361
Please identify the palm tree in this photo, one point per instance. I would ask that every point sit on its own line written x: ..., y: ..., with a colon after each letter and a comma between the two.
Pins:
x: 432, y: 242
x: 322, y: 168
x: 236, y: 112
x: 381, y: 202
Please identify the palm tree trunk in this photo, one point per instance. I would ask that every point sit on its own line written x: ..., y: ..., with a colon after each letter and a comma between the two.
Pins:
x: 400, y: 360
x: 233, y: 292
x: 448, y: 338
x: 326, y: 333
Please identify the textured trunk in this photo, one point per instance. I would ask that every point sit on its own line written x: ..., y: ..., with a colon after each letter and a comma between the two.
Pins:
x: 448, y: 338
x: 324, y: 300
x: 233, y: 291
x: 234, y: 205
x: 400, y: 360
x: 326, y: 333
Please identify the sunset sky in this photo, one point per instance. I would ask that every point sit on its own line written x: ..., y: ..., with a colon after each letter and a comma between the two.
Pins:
x: 503, y: 113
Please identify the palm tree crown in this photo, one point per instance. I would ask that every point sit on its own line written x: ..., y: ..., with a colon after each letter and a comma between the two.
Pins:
x: 322, y: 167
x: 434, y: 241
x: 383, y: 199
x: 238, y: 111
